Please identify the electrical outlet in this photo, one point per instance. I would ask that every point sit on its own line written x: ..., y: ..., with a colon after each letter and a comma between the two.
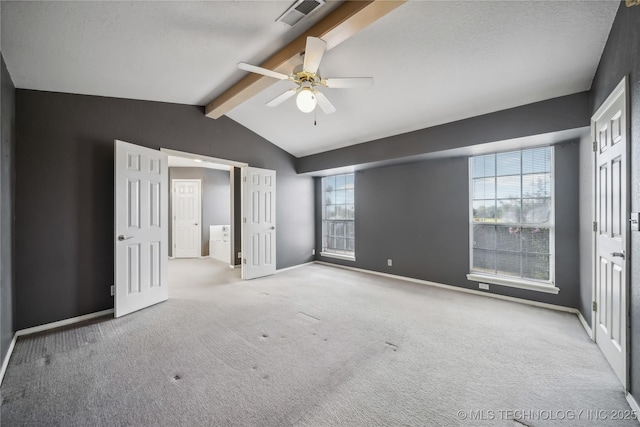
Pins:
x: 483, y: 286
x: 112, y: 290
x: 390, y: 262
x: 313, y: 251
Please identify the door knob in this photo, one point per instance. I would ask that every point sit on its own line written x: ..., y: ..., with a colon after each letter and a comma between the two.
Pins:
x: 195, y: 223
x: 618, y: 254
x: 273, y: 228
x: 121, y: 238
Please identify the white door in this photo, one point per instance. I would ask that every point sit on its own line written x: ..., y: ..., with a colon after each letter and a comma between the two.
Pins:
x: 609, y: 127
x: 141, y: 227
x: 186, y: 213
x: 259, y: 222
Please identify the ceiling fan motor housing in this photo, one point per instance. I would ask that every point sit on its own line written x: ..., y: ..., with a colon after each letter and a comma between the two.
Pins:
x: 300, y: 76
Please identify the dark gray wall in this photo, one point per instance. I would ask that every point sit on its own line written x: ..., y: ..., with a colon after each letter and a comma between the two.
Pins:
x: 417, y: 214
x: 216, y: 205
x: 567, y: 112
x: 64, y: 192
x: 7, y: 146
x: 621, y: 58
x: 216, y: 200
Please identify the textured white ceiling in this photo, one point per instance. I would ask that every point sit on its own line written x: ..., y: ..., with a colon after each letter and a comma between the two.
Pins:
x: 180, y: 52
x: 433, y: 62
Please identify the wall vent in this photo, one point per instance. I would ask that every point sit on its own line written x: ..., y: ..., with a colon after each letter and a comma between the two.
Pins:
x: 299, y: 10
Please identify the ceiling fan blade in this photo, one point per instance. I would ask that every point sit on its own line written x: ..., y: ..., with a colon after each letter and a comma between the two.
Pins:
x: 313, y: 54
x: 324, y: 103
x: 349, y: 82
x: 263, y: 71
x: 282, y: 97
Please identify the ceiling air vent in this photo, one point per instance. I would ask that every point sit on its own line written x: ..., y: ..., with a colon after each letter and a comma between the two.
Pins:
x: 299, y: 10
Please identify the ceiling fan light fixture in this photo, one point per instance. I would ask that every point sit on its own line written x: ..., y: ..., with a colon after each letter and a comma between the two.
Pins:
x: 306, y: 100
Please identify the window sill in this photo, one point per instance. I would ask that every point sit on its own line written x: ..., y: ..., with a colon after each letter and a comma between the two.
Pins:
x: 338, y: 256
x: 514, y: 283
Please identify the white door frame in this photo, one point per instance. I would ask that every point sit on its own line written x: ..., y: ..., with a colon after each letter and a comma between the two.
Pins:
x: 195, y: 156
x: 623, y: 88
x: 232, y: 164
x: 173, y: 216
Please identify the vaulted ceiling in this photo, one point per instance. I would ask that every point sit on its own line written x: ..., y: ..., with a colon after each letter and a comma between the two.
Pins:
x: 433, y: 61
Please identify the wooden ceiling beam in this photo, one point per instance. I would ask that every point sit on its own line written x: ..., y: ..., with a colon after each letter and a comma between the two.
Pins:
x: 341, y: 24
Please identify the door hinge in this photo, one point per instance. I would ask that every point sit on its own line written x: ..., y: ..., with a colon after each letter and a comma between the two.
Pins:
x: 595, y: 146
x: 244, y: 260
x: 113, y: 290
x: 594, y: 306
x: 244, y: 179
x: 595, y: 225
x: 244, y: 220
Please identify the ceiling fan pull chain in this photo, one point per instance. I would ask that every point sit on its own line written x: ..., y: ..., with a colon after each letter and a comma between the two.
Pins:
x: 315, y: 117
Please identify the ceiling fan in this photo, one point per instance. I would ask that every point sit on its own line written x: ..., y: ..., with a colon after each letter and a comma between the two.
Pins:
x: 308, y: 79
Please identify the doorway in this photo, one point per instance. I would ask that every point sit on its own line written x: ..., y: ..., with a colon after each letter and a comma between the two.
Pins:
x: 186, y: 214
x: 141, y: 223
x: 203, y: 207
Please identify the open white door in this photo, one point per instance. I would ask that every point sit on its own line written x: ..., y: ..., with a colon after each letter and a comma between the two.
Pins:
x: 141, y: 227
x: 187, y: 234
x: 258, y: 222
x: 609, y: 129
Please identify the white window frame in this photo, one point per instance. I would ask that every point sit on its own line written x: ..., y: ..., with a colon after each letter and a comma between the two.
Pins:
x: 510, y: 281
x: 337, y: 255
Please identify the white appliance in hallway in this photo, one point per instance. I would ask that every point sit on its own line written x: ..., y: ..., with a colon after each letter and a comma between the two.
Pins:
x: 219, y: 242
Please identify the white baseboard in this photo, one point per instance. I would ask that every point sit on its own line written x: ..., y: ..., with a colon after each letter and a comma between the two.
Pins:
x: 457, y: 288
x: 575, y: 311
x: 632, y: 402
x: 282, y: 270
x: 585, y: 325
x: 46, y: 327
x: 65, y: 322
x: 5, y: 362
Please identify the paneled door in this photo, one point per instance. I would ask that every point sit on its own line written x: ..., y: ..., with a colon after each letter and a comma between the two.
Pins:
x: 609, y: 129
x: 187, y: 235
x: 141, y: 227
x: 259, y: 222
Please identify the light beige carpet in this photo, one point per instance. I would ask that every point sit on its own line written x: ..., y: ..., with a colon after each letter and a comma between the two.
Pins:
x: 313, y: 346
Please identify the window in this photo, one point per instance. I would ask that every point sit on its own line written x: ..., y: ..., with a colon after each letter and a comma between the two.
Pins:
x: 511, y: 212
x: 338, y: 216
